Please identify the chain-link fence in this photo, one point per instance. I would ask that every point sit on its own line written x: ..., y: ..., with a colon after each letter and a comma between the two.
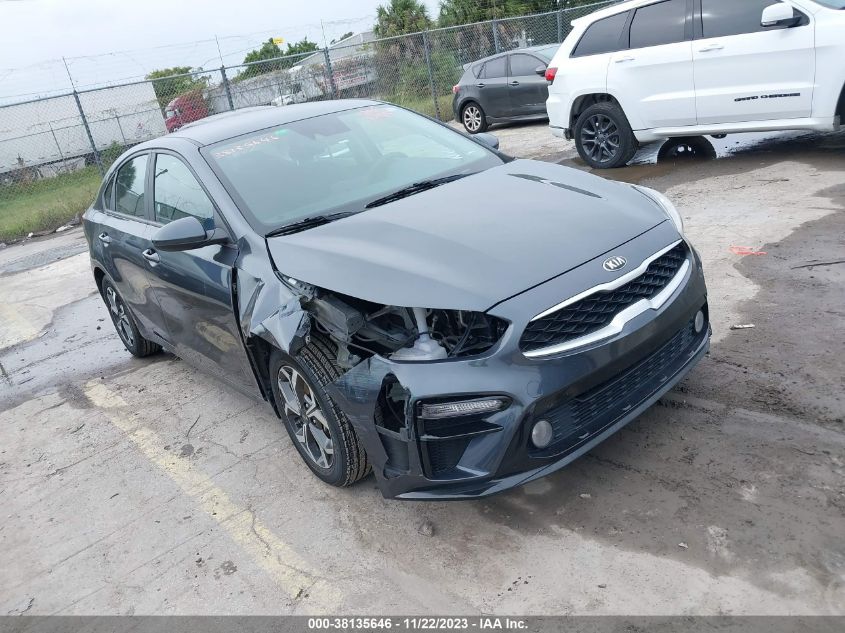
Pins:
x: 54, y: 151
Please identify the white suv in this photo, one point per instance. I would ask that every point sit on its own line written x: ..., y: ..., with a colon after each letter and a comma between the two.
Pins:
x: 643, y: 70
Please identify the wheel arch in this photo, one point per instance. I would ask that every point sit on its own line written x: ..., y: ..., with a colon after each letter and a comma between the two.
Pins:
x: 465, y: 102
x: 582, y: 102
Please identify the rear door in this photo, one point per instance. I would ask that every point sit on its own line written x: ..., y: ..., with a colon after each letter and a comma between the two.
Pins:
x: 122, y: 235
x: 194, y: 288
x: 747, y: 72
x: 492, y: 85
x: 653, y: 76
x: 528, y: 91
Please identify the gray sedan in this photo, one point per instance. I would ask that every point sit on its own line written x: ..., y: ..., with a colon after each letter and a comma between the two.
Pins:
x: 409, y: 300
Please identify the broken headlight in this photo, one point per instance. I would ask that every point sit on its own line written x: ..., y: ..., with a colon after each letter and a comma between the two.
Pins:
x: 407, y: 334
x: 464, y: 333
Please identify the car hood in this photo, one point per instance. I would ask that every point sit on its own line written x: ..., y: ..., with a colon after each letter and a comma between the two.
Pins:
x: 472, y: 243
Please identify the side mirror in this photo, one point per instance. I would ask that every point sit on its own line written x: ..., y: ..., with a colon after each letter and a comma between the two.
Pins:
x: 541, y: 70
x: 186, y: 234
x: 490, y: 140
x: 779, y: 14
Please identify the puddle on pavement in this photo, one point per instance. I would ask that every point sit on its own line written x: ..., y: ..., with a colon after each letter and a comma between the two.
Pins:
x: 655, y: 159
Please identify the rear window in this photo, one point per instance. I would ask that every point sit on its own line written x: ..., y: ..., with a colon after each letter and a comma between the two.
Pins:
x: 603, y: 36
x: 661, y: 23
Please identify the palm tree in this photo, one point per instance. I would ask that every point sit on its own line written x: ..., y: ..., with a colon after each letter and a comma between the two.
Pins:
x: 400, y: 17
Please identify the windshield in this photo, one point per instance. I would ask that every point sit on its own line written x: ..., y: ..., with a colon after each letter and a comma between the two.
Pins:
x: 833, y: 4
x: 338, y: 162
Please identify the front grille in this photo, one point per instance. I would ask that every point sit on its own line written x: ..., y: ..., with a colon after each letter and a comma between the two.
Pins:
x: 589, y: 413
x: 597, y: 311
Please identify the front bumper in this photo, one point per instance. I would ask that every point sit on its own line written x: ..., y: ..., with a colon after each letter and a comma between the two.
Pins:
x: 587, y: 393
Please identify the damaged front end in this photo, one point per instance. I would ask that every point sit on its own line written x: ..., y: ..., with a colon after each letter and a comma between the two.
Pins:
x: 386, y: 351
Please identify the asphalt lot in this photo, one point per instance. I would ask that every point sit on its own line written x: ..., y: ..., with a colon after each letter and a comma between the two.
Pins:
x: 146, y: 487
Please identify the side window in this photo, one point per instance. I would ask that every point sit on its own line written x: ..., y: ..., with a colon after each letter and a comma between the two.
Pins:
x: 496, y: 68
x: 129, y: 187
x: 661, y: 23
x: 177, y: 193
x: 602, y: 36
x: 722, y: 18
x: 108, y: 203
x: 523, y: 65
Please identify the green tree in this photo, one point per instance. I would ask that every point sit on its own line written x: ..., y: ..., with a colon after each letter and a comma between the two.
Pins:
x: 302, y: 46
x: 342, y: 37
x: 275, y: 57
x: 456, y: 12
x: 169, y: 83
x: 269, y: 51
x: 399, y: 17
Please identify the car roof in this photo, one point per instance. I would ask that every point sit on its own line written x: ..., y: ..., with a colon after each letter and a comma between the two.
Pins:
x: 225, y: 125
x: 527, y: 49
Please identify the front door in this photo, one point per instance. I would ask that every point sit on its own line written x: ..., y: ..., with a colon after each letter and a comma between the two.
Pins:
x: 747, y: 72
x: 528, y: 91
x: 194, y: 288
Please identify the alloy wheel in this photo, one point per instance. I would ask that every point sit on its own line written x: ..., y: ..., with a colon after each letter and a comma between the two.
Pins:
x: 472, y: 118
x: 120, y: 317
x: 309, y: 422
x: 600, y: 138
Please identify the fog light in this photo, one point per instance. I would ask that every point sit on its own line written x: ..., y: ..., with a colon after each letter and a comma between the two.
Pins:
x: 441, y: 410
x: 542, y: 434
x: 699, y: 322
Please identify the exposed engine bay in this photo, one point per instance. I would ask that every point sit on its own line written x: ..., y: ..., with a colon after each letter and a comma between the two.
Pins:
x: 362, y: 329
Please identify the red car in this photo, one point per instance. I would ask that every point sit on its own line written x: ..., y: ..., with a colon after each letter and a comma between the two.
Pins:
x: 184, y: 109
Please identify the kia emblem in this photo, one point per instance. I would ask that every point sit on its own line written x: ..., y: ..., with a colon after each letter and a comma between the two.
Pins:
x: 614, y: 263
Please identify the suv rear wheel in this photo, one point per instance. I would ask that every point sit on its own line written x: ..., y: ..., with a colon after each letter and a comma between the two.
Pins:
x: 603, y: 136
x: 473, y: 118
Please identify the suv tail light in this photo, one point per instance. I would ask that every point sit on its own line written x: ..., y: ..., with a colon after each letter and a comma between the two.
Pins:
x: 551, y: 72
x: 455, y: 89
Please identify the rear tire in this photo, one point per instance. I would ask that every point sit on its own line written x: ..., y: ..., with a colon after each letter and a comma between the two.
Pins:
x: 604, y: 137
x: 321, y: 433
x: 124, y: 323
x: 473, y: 118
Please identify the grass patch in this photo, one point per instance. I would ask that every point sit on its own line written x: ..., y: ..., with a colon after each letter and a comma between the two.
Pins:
x: 425, y: 105
x: 45, y: 204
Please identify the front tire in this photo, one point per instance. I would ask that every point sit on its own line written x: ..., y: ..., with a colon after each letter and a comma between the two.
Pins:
x: 321, y: 433
x: 603, y: 136
x: 124, y: 323
x: 473, y: 118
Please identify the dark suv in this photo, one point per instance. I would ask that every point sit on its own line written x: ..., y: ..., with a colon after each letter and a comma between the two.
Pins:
x: 505, y: 87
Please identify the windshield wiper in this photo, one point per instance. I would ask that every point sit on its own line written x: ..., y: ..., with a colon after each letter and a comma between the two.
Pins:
x: 417, y: 187
x: 308, y: 223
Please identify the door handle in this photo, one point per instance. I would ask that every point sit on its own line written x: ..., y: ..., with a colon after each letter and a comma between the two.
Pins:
x: 151, y: 256
x: 711, y: 47
x: 627, y: 58
x: 480, y: 85
x: 104, y: 238
x: 514, y: 83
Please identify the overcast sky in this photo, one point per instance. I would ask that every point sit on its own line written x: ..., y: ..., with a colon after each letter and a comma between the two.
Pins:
x: 149, y: 34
